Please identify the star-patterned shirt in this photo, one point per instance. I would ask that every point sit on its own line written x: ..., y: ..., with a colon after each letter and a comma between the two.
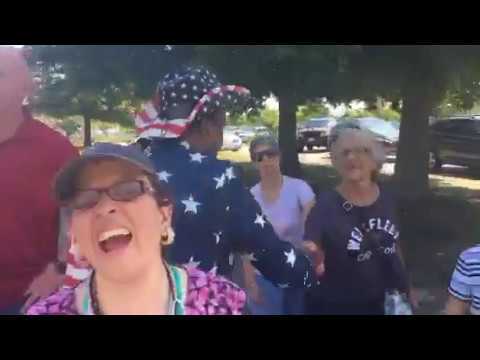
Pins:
x: 216, y: 216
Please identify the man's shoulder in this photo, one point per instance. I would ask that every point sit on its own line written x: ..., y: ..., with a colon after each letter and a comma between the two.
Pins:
x: 49, y: 136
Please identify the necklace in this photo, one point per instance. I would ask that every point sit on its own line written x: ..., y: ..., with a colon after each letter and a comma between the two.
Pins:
x: 96, y: 306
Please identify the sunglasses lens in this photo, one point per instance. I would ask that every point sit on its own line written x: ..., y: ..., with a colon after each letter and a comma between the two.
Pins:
x: 267, y: 153
x: 127, y: 191
x: 85, y: 199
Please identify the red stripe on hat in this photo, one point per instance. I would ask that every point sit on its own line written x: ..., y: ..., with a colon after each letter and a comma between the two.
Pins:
x: 173, y: 128
x: 146, y: 119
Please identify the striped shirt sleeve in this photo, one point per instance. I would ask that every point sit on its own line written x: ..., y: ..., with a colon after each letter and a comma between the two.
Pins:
x: 466, y: 276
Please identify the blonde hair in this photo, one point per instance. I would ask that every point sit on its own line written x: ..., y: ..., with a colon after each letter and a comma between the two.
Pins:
x: 366, y: 137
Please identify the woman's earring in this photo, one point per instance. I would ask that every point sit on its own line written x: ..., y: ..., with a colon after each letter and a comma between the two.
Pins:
x: 168, y: 238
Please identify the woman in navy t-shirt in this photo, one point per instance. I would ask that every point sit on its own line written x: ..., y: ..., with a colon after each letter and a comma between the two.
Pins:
x: 356, y: 227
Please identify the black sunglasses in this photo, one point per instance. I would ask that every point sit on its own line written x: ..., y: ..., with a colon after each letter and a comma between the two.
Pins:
x: 125, y: 191
x: 270, y: 153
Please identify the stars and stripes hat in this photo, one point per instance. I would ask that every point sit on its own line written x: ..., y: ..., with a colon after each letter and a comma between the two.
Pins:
x: 193, y: 85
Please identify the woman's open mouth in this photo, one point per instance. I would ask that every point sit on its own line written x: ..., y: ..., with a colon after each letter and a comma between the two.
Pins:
x: 114, y: 240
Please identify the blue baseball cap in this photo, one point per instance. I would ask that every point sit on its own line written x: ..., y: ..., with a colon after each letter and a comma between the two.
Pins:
x: 65, y: 182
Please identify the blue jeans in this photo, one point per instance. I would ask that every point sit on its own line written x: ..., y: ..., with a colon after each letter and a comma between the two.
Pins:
x: 294, y: 302
x: 272, y: 299
x: 276, y: 301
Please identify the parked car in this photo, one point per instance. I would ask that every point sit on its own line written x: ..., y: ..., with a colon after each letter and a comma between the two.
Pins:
x: 384, y: 131
x: 455, y: 141
x: 246, y: 133
x: 231, y: 141
x: 314, y: 132
x: 262, y: 131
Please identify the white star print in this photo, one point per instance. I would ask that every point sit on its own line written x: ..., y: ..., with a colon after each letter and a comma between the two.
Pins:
x: 185, y: 144
x: 230, y: 174
x: 227, y: 208
x: 184, y: 86
x: 283, y: 286
x: 217, y: 103
x: 192, y: 264
x: 195, y: 97
x: 251, y: 257
x: 148, y: 151
x: 305, y: 278
x: 195, y: 87
x: 229, y: 97
x: 291, y: 257
x: 220, y: 182
x: 174, y: 104
x: 217, y: 237
x: 231, y: 258
x: 173, y: 95
x: 197, y: 158
x: 192, y: 77
x: 205, y: 109
x: 185, y: 96
x: 260, y: 220
x: 163, y: 176
x: 191, y: 205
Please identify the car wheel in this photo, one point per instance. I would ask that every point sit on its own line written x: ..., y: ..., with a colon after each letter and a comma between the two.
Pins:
x: 310, y: 147
x: 434, y: 162
x: 300, y: 148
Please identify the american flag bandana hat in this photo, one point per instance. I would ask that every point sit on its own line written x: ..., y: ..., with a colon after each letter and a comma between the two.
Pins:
x: 197, y: 86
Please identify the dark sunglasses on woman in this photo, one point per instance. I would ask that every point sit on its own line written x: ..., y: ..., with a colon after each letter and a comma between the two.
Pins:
x: 125, y: 191
x: 270, y: 153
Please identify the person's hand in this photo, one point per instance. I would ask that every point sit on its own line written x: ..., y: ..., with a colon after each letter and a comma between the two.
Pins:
x: 43, y: 285
x: 316, y: 255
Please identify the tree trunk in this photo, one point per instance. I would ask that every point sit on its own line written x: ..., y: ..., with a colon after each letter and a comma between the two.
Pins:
x: 288, y: 135
x: 411, y: 171
x: 87, y: 130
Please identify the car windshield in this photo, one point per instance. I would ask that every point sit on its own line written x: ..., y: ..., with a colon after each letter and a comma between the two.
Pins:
x: 379, y: 126
x: 317, y: 123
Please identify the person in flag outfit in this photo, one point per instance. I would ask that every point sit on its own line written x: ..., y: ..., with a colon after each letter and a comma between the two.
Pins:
x: 215, y: 215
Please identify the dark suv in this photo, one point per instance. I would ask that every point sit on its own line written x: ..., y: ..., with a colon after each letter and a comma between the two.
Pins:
x: 455, y: 141
x: 314, y: 132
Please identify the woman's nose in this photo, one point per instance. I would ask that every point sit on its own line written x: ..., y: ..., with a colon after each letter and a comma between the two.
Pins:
x: 105, y: 205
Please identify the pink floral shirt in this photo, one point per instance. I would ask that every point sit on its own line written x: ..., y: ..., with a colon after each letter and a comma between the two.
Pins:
x: 206, y: 294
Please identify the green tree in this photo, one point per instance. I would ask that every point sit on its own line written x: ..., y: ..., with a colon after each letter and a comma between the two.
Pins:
x: 293, y: 73
x: 103, y: 82
x: 312, y: 109
x: 419, y: 77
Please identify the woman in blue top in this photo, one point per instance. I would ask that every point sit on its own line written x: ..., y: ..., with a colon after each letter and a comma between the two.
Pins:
x: 357, y: 229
